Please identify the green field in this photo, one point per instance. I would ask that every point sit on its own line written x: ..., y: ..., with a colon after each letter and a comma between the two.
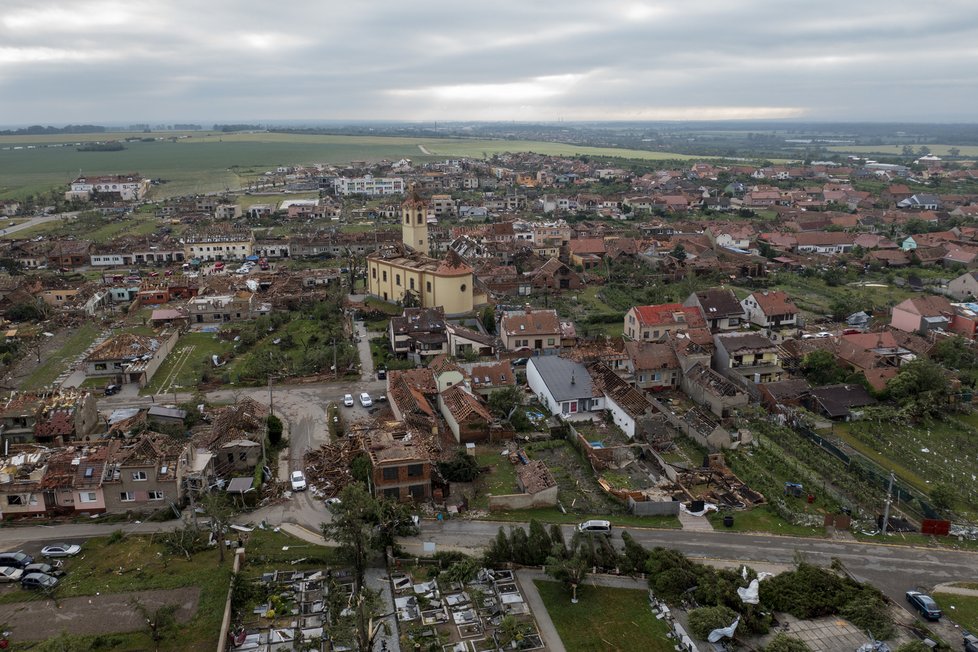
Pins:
x: 897, y: 150
x: 54, y: 363
x: 204, y: 162
x: 604, y: 619
x: 183, y: 368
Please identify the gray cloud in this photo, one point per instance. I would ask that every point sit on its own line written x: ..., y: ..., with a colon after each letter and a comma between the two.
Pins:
x: 178, y: 60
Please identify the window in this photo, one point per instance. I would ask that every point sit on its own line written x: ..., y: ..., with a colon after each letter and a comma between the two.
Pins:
x: 417, y: 491
x: 15, y: 500
x: 385, y: 276
x: 156, y: 495
x: 397, y: 279
x: 392, y: 492
x: 87, y: 496
x: 428, y: 286
x: 390, y: 473
x: 373, y: 272
x: 139, y: 475
x: 411, y: 283
x: 462, y: 287
x: 550, y: 341
x: 242, y: 456
x: 415, y: 470
x: 127, y: 496
x: 100, y: 366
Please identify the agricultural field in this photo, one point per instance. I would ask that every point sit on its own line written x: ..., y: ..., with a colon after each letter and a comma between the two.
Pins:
x: 207, y: 162
x: 897, y: 150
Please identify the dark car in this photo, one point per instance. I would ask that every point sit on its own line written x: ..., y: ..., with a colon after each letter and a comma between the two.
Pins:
x: 17, y: 559
x: 111, y: 390
x: 519, y: 362
x: 970, y: 642
x: 381, y: 374
x: 924, y: 604
x: 38, y: 581
x: 46, y: 569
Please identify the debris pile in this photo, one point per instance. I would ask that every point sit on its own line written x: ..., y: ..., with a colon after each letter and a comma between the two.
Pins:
x: 328, y: 468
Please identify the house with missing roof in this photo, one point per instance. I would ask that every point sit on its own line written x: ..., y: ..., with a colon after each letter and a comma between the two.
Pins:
x: 467, y: 416
x: 400, y: 467
x: 129, y: 358
x: 750, y: 356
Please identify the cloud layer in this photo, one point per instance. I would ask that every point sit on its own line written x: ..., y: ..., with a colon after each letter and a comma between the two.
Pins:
x: 183, y: 60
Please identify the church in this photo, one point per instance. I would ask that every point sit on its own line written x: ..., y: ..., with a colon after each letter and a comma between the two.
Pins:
x: 393, y: 272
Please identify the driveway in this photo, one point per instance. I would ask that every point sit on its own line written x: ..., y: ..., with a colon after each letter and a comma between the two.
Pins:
x: 41, y: 619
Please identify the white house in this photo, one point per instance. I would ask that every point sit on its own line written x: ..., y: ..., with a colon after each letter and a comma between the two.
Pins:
x: 564, y: 386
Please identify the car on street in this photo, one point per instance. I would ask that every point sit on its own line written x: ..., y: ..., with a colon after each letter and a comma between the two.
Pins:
x: 17, y: 559
x: 10, y: 574
x: 365, y: 399
x: 595, y: 527
x: 381, y: 374
x: 38, y: 581
x: 348, y: 400
x: 298, y: 481
x: 924, y: 604
x: 61, y: 550
x: 47, y: 569
x: 381, y: 399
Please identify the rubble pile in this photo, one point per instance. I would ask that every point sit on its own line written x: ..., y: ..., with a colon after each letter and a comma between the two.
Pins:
x: 328, y: 468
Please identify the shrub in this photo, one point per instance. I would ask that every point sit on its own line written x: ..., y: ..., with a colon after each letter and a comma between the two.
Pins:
x: 704, y: 620
x: 275, y: 430
x: 785, y: 643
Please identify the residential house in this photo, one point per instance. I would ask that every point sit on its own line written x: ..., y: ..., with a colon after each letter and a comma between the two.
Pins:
x: 240, y: 306
x: 770, y: 309
x: 653, y: 365
x: 708, y: 388
x: 530, y: 329
x: 400, y: 466
x: 487, y: 378
x: 922, y: 314
x: 419, y: 334
x: 413, y: 395
x: 129, y: 358
x: 652, y: 323
x: 789, y: 392
x: 124, y: 187
x: 586, y: 253
x: 553, y: 275
x: 921, y: 201
x: 51, y: 418
x: 219, y: 242
x: 141, y: 476
x: 839, y: 402
x: 628, y: 407
x: 467, y: 416
x: 563, y: 386
x: 21, y: 488
x: 232, y: 435
x: 720, y: 308
x: 824, y: 242
x: 964, y: 287
x: 747, y: 355
x: 464, y: 341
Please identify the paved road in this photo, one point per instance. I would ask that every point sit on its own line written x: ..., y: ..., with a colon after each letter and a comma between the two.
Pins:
x: 34, y: 221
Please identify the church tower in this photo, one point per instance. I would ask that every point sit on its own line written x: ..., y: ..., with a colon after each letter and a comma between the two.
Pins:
x: 414, y: 223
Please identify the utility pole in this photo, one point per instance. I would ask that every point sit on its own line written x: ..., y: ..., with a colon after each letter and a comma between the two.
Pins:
x: 886, y: 509
x: 336, y: 372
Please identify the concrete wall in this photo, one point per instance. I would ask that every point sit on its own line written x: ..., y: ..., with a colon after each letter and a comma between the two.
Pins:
x: 159, y: 356
x: 545, y: 498
x: 653, y: 507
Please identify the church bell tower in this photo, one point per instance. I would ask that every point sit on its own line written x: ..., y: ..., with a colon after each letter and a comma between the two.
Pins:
x: 414, y: 223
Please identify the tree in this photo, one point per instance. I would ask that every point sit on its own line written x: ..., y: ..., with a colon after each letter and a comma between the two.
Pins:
x: 488, y: 318
x: 461, y: 468
x: 218, y: 507
x: 275, y: 429
x: 943, y: 496
x: 954, y: 151
x: 503, y: 401
x: 539, y: 543
x: 160, y: 623
x: 924, y: 150
x: 352, y: 528
x: 913, y: 646
x: 679, y: 252
x: 954, y: 353
x: 921, y: 388
x: 571, y: 571
x: 784, y: 643
x: 766, y: 250
x: 821, y: 368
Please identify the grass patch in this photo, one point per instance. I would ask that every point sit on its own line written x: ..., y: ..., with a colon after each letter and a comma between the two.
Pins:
x: 604, y: 619
x: 184, y: 366
x: 54, y: 363
x: 764, y: 519
x: 965, y: 612
x: 138, y: 563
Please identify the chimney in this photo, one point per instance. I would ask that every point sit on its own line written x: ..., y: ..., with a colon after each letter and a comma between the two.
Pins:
x: 573, y: 379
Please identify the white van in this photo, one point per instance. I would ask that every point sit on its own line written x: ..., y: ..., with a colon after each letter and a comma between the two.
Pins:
x: 596, y: 527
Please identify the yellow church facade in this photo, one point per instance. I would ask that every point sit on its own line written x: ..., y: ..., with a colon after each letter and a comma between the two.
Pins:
x: 393, y: 272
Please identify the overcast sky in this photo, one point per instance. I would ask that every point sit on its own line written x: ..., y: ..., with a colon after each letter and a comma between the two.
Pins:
x: 100, y: 61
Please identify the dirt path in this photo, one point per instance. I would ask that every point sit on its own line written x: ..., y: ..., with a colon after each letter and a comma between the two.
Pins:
x: 42, y: 618
x: 956, y: 590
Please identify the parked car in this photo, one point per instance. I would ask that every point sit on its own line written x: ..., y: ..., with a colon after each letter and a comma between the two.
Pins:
x: 595, y: 527
x: 924, y: 604
x: 47, y: 569
x: 38, y: 581
x: 110, y: 390
x: 381, y: 399
x: 381, y: 374
x: 10, y: 574
x: 61, y: 550
x: 365, y: 399
x: 298, y: 481
x: 17, y: 559
x: 970, y: 642
x: 348, y: 400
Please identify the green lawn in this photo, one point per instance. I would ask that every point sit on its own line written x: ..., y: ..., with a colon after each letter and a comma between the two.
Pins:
x: 54, y: 363
x: 183, y: 367
x: 965, y: 612
x: 764, y: 519
x: 139, y: 563
x: 604, y: 619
